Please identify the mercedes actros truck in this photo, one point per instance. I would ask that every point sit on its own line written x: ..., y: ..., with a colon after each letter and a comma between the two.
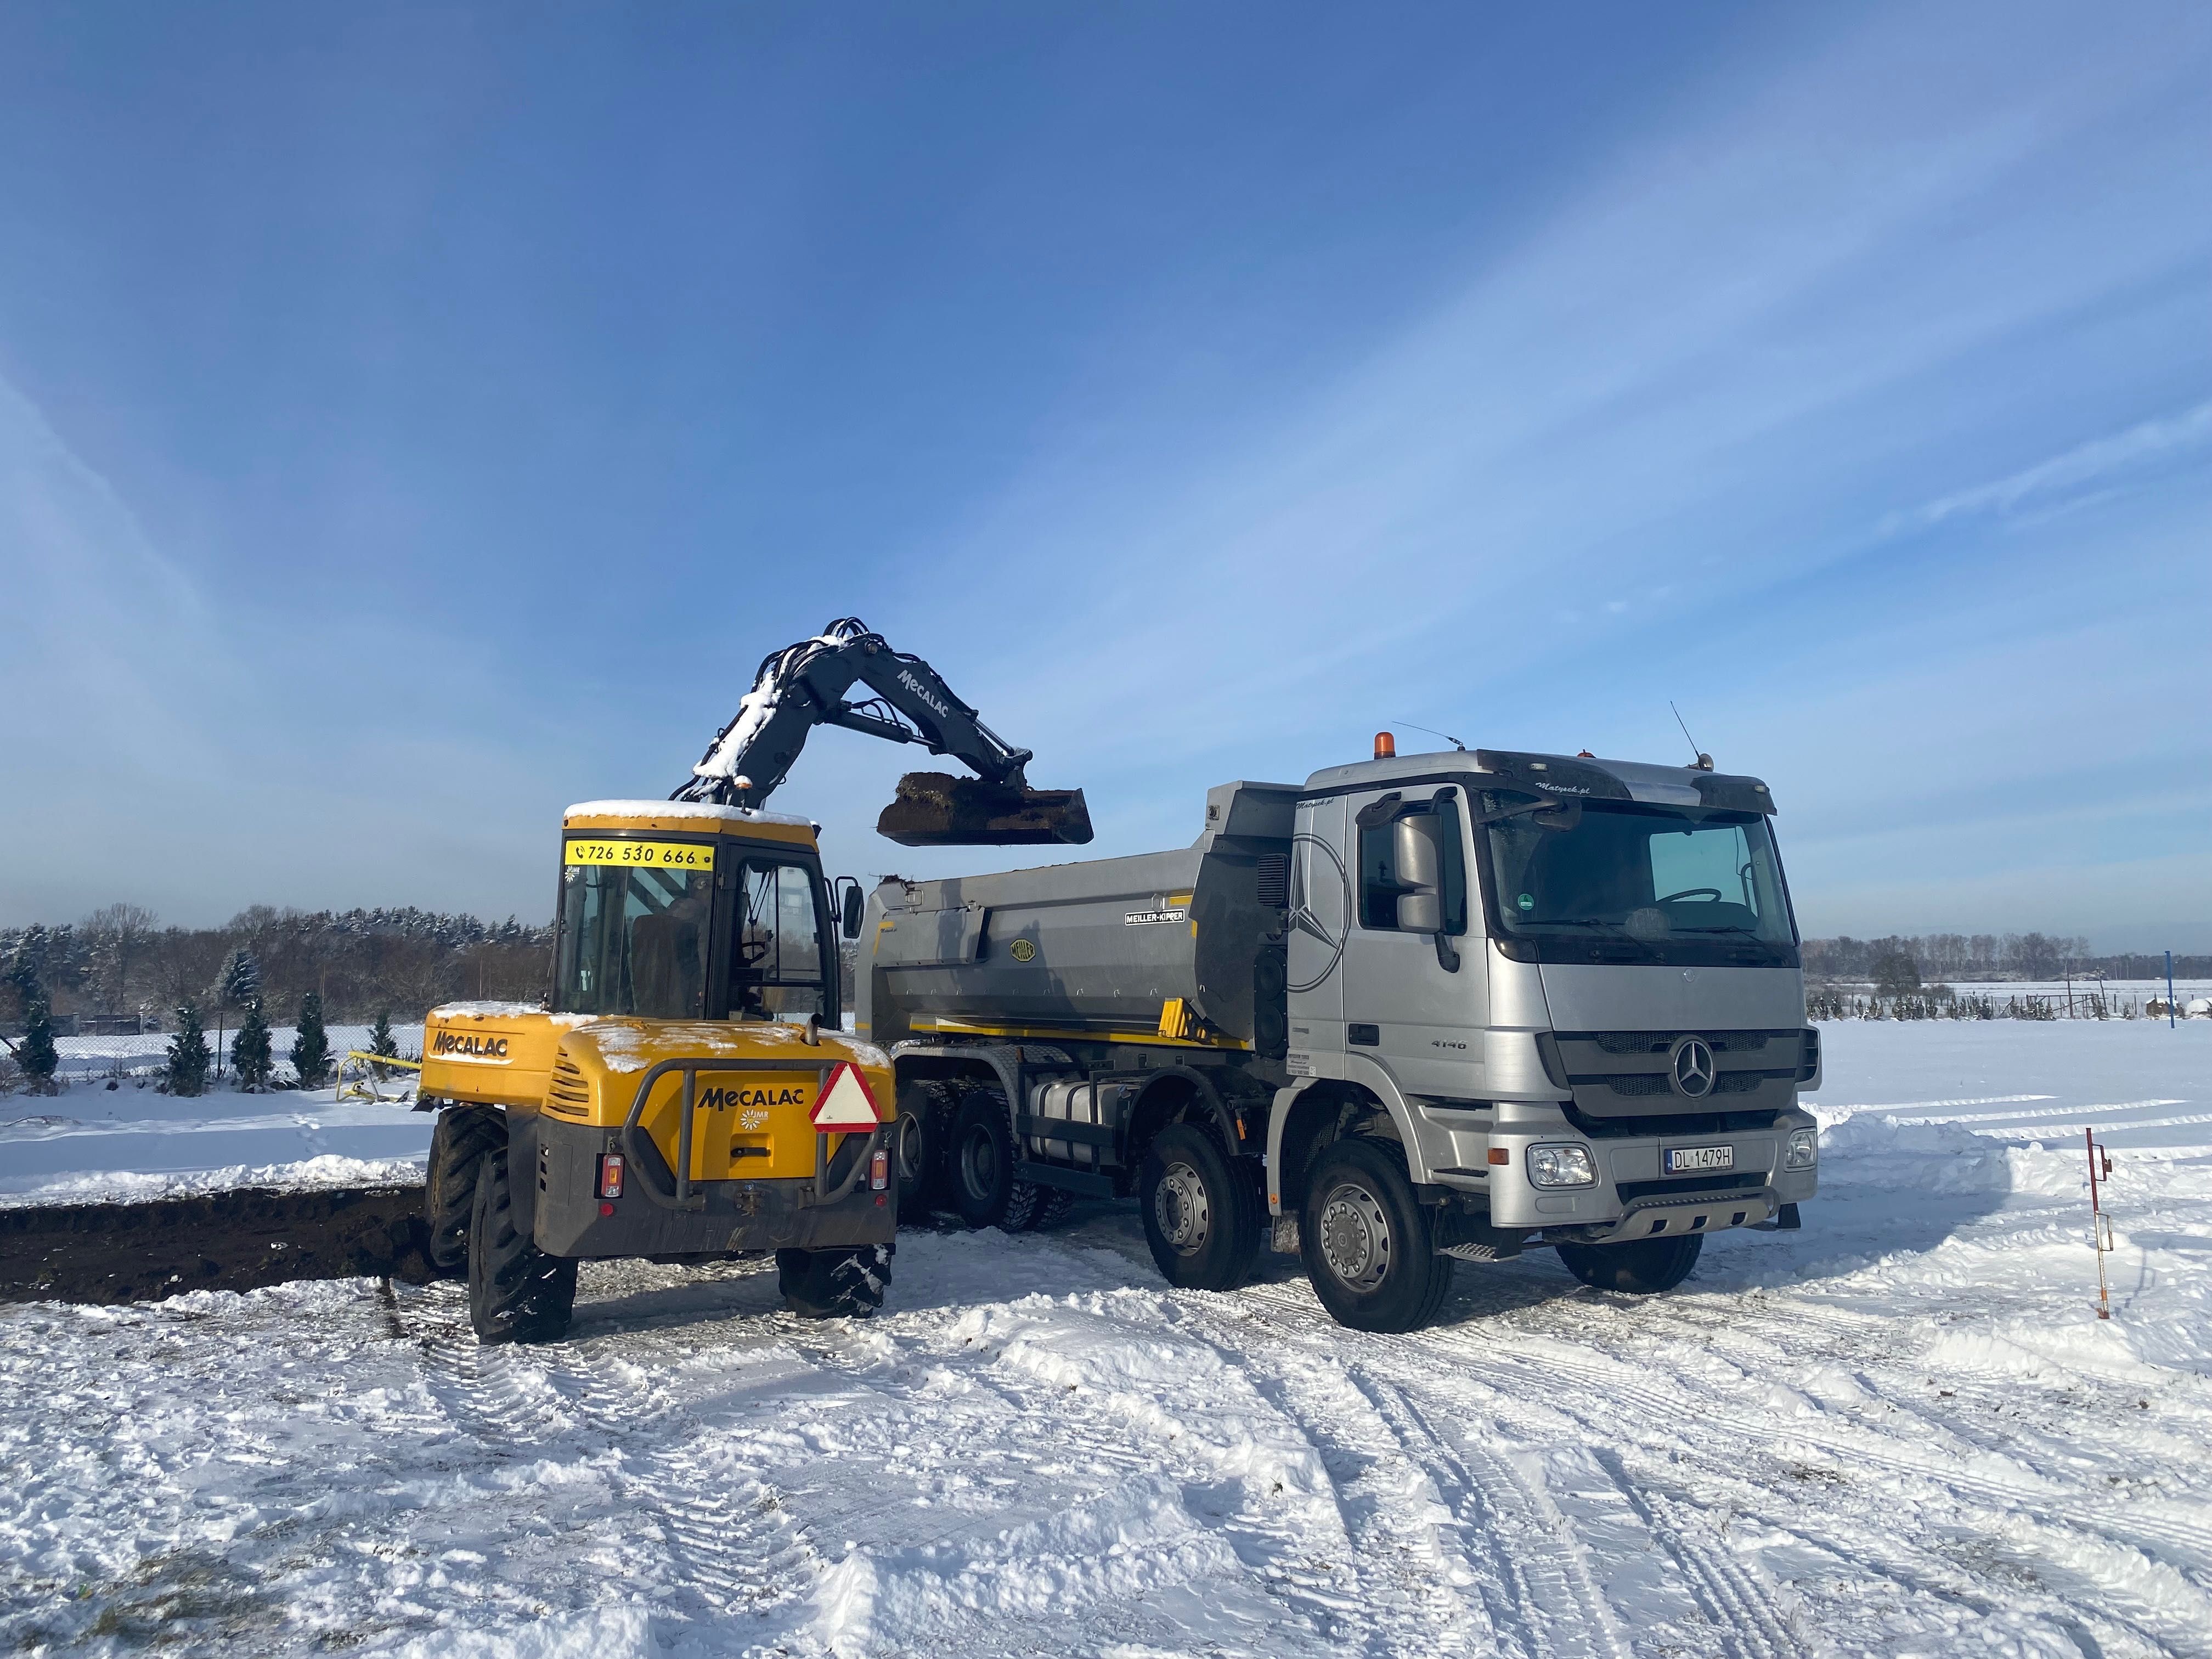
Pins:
x: 1415, y: 1010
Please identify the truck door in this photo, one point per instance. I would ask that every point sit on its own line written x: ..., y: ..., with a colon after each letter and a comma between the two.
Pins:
x: 1412, y: 998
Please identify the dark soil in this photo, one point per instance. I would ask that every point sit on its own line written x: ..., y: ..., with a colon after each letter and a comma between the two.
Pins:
x: 234, y: 1241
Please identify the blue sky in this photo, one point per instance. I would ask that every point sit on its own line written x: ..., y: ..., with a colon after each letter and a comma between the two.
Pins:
x: 415, y: 419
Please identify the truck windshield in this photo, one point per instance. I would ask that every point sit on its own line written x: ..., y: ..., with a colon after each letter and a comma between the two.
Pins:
x: 634, y: 941
x: 1644, y: 875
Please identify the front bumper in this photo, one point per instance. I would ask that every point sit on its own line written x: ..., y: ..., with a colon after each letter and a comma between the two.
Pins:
x: 731, y: 1215
x: 1631, y: 1198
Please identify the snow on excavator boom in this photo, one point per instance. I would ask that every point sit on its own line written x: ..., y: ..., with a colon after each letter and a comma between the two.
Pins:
x: 804, y: 685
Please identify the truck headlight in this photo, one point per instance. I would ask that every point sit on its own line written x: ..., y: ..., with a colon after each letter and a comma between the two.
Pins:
x: 1561, y: 1166
x: 1804, y: 1150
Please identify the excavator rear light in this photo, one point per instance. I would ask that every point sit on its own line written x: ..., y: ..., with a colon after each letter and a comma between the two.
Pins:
x: 879, y: 1172
x: 610, y: 1174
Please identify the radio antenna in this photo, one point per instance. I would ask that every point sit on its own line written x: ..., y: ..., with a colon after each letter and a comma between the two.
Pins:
x: 1433, y: 732
x: 1702, y: 761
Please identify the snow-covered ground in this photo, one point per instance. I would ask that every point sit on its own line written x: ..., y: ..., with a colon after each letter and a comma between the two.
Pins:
x: 91, y: 1142
x: 1901, y: 1431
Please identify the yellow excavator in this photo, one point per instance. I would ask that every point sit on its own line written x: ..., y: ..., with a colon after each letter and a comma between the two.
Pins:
x: 685, y: 1093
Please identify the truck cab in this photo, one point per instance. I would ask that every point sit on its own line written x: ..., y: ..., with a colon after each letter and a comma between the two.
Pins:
x: 1572, y: 986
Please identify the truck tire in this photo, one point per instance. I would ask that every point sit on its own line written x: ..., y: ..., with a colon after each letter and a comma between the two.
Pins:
x: 839, y: 1283
x: 1644, y: 1266
x: 517, y: 1293
x: 457, y: 1145
x: 1059, y: 1204
x: 919, y: 1135
x: 982, y: 1156
x: 1366, y: 1241
x: 1201, y: 1213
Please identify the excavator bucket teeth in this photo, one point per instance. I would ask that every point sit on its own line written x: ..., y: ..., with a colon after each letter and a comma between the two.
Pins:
x: 935, y: 809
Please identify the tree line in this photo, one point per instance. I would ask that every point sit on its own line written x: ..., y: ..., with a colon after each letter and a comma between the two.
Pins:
x: 1899, y: 963
x: 122, y: 963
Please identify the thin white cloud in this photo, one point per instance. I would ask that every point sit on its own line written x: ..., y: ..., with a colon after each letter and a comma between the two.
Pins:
x: 2086, y: 468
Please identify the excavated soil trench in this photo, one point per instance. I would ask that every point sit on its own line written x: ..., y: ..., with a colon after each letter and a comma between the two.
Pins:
x: 233, y: 1241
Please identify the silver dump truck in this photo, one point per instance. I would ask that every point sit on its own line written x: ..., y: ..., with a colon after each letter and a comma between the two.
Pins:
x: 1416, y: 1011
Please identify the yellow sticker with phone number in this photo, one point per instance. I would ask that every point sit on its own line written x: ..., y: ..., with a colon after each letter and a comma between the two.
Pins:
x: 643, y: 855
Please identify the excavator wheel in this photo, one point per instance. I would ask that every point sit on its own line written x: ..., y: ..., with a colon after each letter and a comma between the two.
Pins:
x: 838, y: 1284
x: 464, y: 1135
x: 517, y: 1293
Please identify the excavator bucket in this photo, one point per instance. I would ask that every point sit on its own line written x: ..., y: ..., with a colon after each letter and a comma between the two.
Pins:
x: 935, y: 809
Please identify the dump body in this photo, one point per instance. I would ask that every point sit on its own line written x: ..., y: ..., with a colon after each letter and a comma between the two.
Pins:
x: 1097, y: 949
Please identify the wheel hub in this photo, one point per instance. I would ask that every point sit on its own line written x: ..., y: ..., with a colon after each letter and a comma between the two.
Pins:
x: 979, y: 1165
x: 1181, y: 1209
x: 1355, y: 1237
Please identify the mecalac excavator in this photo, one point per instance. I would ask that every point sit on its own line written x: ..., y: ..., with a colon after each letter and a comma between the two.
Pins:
x: 685, y: 1093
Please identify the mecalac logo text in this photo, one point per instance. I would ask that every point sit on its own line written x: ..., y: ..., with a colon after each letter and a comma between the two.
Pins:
x: 907, y: 679
x: 476, y: 1048
x: 720, y: 1098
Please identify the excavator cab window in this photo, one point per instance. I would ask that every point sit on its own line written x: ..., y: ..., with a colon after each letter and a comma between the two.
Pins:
x: 634, y: 941
x: 777, y: 969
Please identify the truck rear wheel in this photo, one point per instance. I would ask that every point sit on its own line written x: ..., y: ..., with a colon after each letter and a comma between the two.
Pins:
x: 918, y: 1146
x: 985, y: 1189
x: 1643, y: 1267
x: 1366, y: 1240
x: 841, y: 1284
x: 517, y: 1293
x: 1201, y: 1213
x: 463, y: 1134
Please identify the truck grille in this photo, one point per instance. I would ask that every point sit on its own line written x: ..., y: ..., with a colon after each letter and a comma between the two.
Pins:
x: 1625, y: 1072
x: 567, y: 1093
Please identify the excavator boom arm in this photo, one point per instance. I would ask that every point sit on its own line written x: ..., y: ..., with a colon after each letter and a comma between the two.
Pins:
x: 806, y: 685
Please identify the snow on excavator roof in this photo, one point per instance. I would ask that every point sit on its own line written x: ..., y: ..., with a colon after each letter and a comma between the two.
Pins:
x: 681, y: 809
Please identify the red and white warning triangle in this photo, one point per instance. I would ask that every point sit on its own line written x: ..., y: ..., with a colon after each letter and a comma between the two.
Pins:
x: 846, y: 1103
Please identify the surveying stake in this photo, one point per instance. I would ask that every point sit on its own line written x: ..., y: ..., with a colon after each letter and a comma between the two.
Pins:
x: 2101, y: 1224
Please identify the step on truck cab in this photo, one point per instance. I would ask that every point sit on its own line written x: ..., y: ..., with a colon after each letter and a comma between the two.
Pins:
x: 1416, y: 1011
x: 679, y: 1097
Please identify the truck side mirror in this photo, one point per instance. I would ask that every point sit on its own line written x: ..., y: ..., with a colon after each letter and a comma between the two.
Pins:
x: 854, y: 902
x: 1420, y: 912
x: 1420, y: 864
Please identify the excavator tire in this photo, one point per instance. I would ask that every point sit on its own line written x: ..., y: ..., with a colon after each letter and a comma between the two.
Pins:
x: 457, y: 1145
x: 517, y: 1293
x: 840, y: 1284
x: 984, y: 1187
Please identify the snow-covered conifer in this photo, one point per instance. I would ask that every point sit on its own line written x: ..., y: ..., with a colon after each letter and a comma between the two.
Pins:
x: 187, y: 1073
x: 311, y: 1050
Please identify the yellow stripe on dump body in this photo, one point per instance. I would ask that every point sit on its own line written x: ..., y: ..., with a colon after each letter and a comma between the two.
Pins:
x: 643, y: 855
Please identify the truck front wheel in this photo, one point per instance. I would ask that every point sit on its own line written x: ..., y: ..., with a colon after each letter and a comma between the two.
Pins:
x: 843, y: 1284
x: 457, y: 1145
x: 1643, y: 1268
x: 517, y: 1293
x: 1366, y: 1240
x: 1201, y: 1213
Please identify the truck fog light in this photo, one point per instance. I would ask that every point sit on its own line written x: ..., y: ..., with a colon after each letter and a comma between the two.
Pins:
x: 879, y: 1172
x: 1561, y: 1166
x: 610, y: 1174
x: 1804, y: 1150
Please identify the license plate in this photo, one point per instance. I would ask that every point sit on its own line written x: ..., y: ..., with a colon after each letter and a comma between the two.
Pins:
x: 1693, y: 1160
